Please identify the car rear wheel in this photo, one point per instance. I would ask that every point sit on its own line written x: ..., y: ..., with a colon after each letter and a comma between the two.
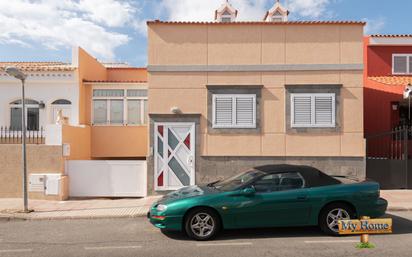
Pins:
x: 331, y: 214
x: 202, y: 224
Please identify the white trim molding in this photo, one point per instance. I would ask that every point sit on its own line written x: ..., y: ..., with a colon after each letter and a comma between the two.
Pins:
x: 391, y: 41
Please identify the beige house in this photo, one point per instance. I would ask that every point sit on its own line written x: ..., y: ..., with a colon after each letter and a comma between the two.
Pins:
x: 225, y: 96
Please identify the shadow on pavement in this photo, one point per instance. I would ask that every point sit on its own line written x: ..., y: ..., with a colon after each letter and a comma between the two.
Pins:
x: 256, y: 233
x: 400, y: 226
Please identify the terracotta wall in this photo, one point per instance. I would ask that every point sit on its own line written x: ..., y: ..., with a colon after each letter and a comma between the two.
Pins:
x: 377, y: 106
x: 186, y: 44
x: 79, y: 139
x: 378, y: 97
x: 124, y: 74
x: 89, y: 69
x: 104, y: 141
x: 118, y: 141
x: 380, y: 59
x: 260, y: 44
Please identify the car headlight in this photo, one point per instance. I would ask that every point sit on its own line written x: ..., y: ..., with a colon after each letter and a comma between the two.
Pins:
x: 161, y: 207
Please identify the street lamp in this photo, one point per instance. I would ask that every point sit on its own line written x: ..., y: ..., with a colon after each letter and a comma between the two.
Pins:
x: 15, y: 72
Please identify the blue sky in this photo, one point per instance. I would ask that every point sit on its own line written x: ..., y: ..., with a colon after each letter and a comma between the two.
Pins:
x: 115, y: 30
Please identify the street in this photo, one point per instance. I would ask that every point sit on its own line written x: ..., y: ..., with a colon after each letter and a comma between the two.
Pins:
x: 136, y: 237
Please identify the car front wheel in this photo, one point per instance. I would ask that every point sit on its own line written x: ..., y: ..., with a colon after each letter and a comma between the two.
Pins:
x: 329, y: 217
x: 202, y: 224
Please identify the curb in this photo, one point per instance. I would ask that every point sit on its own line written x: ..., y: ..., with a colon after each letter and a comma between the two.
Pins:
x: 399, y: 209
x: 11, y: 218
x: 23, y: 217
x: 28, y: 217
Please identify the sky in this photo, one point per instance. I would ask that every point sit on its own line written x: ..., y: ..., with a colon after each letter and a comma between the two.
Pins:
x: 115, y: 30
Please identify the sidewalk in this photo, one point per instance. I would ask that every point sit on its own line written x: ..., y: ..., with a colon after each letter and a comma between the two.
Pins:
x: 399, y: 200
x: 76, y: 209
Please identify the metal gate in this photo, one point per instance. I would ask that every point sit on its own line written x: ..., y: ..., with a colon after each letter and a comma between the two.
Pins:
x: 388, y: 158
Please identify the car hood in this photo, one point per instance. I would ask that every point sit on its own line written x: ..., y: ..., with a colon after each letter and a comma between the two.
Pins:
x: 187, y: 192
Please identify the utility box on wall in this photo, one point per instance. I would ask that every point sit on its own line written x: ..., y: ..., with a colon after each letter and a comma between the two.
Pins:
x: 49, y: 184
x: 37, y: 182
x: 53, y: 184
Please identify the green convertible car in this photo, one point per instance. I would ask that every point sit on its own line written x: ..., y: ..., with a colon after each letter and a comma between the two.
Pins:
x: 267, y: 196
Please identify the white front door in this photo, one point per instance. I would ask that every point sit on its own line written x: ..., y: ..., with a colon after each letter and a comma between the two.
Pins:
x: 174, y: 155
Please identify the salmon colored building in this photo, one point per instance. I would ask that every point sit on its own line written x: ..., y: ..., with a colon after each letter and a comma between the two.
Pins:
x: 388, y: 71
x: 226, y: 96
x: 87, y: 127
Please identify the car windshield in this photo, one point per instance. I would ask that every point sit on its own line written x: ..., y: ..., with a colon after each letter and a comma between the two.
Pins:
x: 237, y: 181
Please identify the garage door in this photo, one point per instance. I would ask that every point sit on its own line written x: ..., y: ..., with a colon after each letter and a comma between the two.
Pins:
x: 107, y: 178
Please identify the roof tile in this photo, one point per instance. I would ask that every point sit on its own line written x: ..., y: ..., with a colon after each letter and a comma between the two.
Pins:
x: 115, y: 81
x: 38, y: 66
x: 392, y: 35
x: 393, y: 80
x: 261, y: 22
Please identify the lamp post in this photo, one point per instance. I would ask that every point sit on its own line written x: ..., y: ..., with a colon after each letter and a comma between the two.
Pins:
x: 15, y: 72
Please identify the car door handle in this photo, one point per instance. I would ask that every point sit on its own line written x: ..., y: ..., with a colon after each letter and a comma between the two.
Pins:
x: 302, y: 198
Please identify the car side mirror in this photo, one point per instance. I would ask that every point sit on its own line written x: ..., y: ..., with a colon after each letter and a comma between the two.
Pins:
x: 249, y: 191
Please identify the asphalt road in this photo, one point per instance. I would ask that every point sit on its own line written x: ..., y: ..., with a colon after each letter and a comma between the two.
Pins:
x: 136, y: 237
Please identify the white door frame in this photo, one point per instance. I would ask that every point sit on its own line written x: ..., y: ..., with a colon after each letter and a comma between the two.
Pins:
x: 165, y: 148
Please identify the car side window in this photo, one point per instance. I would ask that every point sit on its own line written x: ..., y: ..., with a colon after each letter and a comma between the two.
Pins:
x: 291, y: 180
x: 279, y: 182
x: 267, y: 184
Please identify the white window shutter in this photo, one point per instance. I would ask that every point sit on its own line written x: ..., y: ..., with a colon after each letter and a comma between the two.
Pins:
x: 302, y: 109
x: 245, y: 111
x: 324, y: 110
x: 410, y: 64
x: 313, y: 110
x: 400, y: 64
x: 223, y: 111
x: 234, y: 111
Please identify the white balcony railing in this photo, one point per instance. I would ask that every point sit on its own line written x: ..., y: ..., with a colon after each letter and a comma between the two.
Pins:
x: 10, y: 135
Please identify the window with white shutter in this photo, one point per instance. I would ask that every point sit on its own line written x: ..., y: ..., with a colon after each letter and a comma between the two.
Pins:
x: 402, y: 64
x: 313, y: 110
x: 234, y: 111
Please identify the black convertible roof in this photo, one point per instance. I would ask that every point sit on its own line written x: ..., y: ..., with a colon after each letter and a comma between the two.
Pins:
x: 313, y: 177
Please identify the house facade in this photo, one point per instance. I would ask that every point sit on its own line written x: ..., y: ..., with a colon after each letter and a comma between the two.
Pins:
x: 225, y: 96
x: 388, y: 71
x: 387, y: 110
x: 53, y: 87
x: 80, y: 115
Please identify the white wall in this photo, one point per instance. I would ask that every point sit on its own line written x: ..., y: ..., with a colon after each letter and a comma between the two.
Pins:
x: 46, y: 87
x: 107, y: 178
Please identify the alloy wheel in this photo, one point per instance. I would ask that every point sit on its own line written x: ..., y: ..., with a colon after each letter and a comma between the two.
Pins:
x: 334, y: 216
x: 202, y: 225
